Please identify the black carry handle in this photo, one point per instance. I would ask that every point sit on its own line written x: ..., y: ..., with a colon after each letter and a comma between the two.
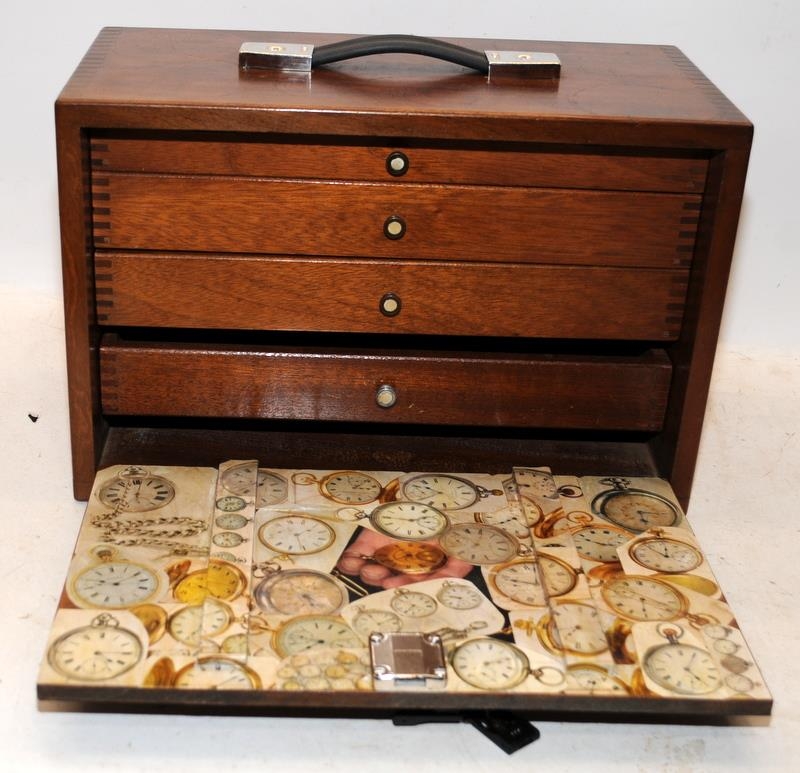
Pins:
x: 399, y: 44
x: 302, y: 57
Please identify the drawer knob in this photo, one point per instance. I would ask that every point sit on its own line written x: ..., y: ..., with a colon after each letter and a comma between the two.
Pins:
x: 390, y: 305
x: 394, y: 227
x: 397, y: 164
x: 386, y: 396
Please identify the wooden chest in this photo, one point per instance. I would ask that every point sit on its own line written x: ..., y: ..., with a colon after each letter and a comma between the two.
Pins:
x: 393, y: 258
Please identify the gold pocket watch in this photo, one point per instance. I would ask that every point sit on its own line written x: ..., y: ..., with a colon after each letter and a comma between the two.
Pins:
x: 114, y: 582
x: 634, y: 509
x: 643, y: 598
x: 444, y: 491
x: 220, y: 580
x: 296, y: 535
x: 665, y: 555
x: 572, y: 627
x: 347, y: 487
x: 300, y: 592
x: 307, y: 632
x: 494, y: 664
x: 532, y: 581
x: 96, y: 652
x: 135, y: 490
x: 216, y: 672
x: 681, y: 668
x: 477, y: 543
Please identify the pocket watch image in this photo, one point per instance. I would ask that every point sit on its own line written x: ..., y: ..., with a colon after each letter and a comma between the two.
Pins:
x: 409, y: 520
x: 231, y: 521
x: 230, y: 503
x: 477, y: 543
x: 572, y: 627
x: 96, y: 652
x: 536, y: 483
x: 591, y: 678
x: 296, y: 535
x: 493, y: 664
x: 634, y: 509
x: 458, y: 595
x: 193, y: 622
x: 136, y: 490
x: 249, y: 480
x: 445, y: 492
x: 347, y: 487
x: 600, y: 543
x: 643, y: 598
x: 217, y: 673
x: 369, y: 621
x: 300, y: 592
x: 681, y: 668
x: 311, y: 631
x: 532, y: 580
x: 114, y: 583
x: 228, y: 539
x: 409, y: 557
x: 510, y: 521
x: 665, y: 555
x: 220, y: 580
x: 410, y: 603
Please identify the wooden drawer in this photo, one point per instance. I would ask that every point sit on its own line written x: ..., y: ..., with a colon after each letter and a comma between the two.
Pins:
x: 224, y: 214
x: 433, y: 297
x: 513, y: 390
x: 362, y: 158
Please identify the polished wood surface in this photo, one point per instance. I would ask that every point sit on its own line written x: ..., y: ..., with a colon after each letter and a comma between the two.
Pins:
x: 430, y: 388
x: 436, y: 297
x: 531, y: 210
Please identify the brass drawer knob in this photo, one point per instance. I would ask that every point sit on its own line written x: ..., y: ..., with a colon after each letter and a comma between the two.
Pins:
x: 390, y: 305
x: 394, y: 227
x: 397, y: 164
x: 386, y: 396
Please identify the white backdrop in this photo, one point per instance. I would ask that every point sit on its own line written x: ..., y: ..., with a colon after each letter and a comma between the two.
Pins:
x: 749, y: 48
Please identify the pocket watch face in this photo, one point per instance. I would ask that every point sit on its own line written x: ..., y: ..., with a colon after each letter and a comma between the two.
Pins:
x: 446, y: 492
x: 227, y: 539
x: 191, y: 623
x: 350, y: 487
x: 535, y: 483
x: 520, y: 581
x: 600, y: 543
x: 231, y: 521
x: 95, y: 652
x: 220, y: 580
x: 682, y: 668
x: 369, y: 621
x: 272, y: 488
x: 638, y: 511
x: 137, y: 493
x: 115, y: 585
x: 300, y: 592
x: 576, y: 628
x: 477, y: 543
x: 217, y: 673
x: 311, y: 631
x: 408, y: 520
x: 411, y: 603
x: 662, y: 554
x: 410, y: 557
x: 559, y: 577
x: 509, y: 521
x: 643, y: 598
x: 456, y: 595
x: 231, y: 503
x: 296, y: 535
x: 490, y: 664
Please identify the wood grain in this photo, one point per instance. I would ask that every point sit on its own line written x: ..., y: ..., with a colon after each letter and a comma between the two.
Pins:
x: 612, y: 393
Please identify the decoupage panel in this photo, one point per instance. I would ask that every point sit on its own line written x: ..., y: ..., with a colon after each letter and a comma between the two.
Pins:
x: 252, y: 578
